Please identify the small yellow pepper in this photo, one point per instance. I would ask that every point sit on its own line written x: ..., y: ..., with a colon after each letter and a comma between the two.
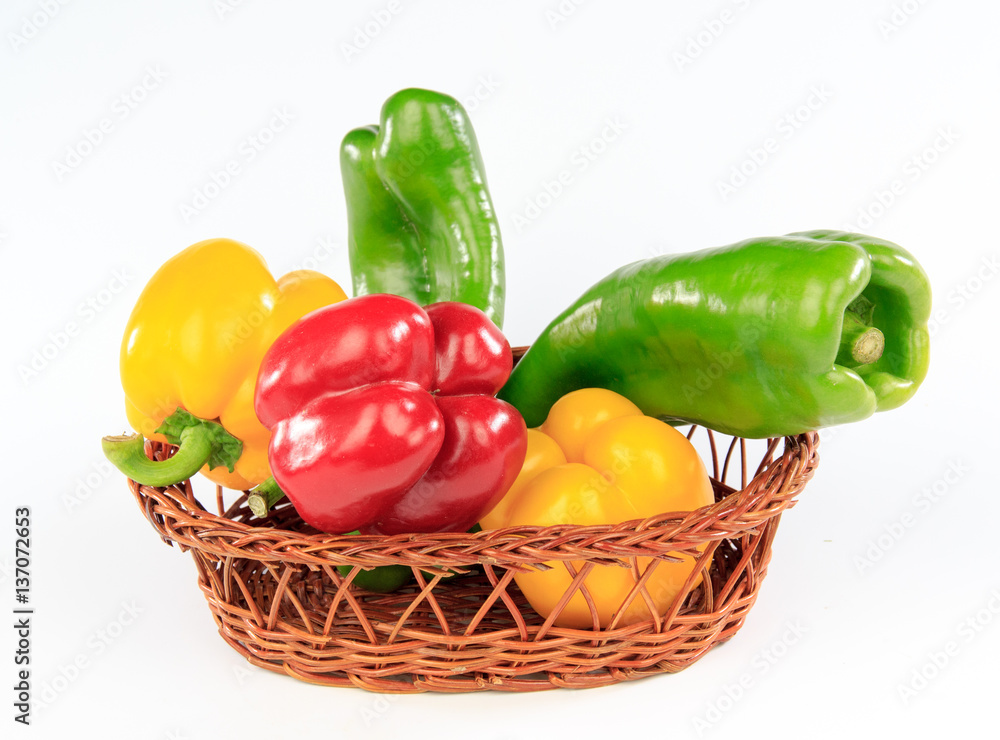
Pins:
x: 196, y: 338
x: 598, y: 460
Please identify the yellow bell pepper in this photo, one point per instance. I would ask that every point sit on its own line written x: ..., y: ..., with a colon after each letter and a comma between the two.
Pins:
x: 196, y: 338
x: 598, y: 460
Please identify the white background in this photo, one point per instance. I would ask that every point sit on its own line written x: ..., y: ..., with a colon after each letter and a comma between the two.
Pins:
x: 879, y: 91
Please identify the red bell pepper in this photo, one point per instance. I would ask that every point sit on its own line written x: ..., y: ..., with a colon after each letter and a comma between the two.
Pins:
x: 383, y: 418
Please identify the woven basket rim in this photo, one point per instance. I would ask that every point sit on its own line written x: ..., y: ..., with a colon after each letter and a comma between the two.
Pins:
x: 768, y: 492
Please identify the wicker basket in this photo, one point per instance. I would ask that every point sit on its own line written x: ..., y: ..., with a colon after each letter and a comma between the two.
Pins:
x: 277, y: 596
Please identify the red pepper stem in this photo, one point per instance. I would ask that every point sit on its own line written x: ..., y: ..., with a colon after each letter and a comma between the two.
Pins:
x: 860, y: 344
x: 264, y: 496
x: 126, y: 452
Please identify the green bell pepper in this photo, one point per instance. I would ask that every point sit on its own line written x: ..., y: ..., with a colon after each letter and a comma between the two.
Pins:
x: 384, y: 579
x: 421, y: 223
x: 765, y: 338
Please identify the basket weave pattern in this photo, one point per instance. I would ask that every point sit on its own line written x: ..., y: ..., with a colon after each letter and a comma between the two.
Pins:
x: 278, y: 599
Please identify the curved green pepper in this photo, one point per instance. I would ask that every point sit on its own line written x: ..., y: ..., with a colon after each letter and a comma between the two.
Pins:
x: 765, y: 338
x: 421, y: 222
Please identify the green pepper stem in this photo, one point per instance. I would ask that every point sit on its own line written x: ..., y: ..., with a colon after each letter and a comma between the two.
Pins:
x: 127, y: 454
x: 860, y: 344
x: 264, y: 496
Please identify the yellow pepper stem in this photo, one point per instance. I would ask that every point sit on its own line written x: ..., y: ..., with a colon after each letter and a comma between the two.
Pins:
x: 126, y: 453
x: 199, y: 442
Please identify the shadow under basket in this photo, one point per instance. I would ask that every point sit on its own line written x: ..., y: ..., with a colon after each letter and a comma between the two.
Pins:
x: 278, y: 598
